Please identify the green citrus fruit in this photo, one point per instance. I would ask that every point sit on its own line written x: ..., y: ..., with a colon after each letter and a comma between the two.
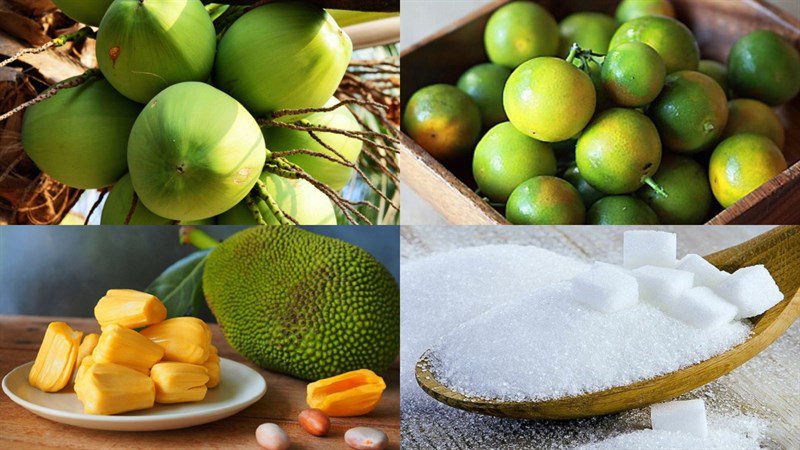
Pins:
x: 742, y: 163
x: 549, y: 99
x: 670, y: 38
x: 545, y: 200
x: 621, y: 210
x: 752, y: 116
x: 689, y: 200
x: 619, y: 151
x: 633, y: 74
x: 764, y: 66
x: 89, y: 12
x: 717, y: 71
x: 590, y: 30
x: 588, y: 193
x: 504, y: 158
x: 633, y: 9
x: 485, y: 83
x: 520, y: 31
x: 690, y: 113
x: 443, y: 120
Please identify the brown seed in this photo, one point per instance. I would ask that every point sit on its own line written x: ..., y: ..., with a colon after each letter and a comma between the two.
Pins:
x: 366, y: 438
x: 314, y: 422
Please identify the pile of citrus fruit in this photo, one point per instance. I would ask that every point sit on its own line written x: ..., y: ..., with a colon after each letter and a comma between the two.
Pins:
x: 607, y: 120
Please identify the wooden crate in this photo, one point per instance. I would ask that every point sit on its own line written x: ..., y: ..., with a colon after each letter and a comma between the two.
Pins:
x: 444, y: 56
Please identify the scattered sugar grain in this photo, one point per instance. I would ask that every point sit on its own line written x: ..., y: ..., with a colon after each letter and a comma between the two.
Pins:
x: 662, y: 286
x: 751, y: 289
x: 605, y: 288
x: 682, y: 416
x: 702, y: 308
x: 649, y: 248
x: 705, y: 273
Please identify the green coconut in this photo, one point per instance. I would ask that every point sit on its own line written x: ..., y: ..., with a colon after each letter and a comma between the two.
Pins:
x: 297, y: 198
x: 282, y: 56
x: 118, y: 205
x: 144, y: 46
x: 79, y: 135
x: 333, y: 174
x: 194, y: 152
x: 89, y: 12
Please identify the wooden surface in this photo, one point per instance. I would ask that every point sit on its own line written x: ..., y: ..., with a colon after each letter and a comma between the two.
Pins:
x: 767, y: 386
x: 20, y: 337
x: 445, y: 55
x: 778, y: 250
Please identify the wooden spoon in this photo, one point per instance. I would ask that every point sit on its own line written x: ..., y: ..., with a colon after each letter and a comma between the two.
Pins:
x: 778, y: 250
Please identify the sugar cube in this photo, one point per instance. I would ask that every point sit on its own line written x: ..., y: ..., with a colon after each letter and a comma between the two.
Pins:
x: 649, y: 248
x: 751, y: 289
x: 701, y: 308
x: 662, y: 286
x: 605, y: 288
x: 705, y: 274
x: 683, y: 416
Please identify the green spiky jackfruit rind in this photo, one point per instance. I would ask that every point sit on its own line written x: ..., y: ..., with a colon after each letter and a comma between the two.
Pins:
x: 302, y: 304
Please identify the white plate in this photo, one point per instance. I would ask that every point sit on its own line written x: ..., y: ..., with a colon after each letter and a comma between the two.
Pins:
x: 240, y: 387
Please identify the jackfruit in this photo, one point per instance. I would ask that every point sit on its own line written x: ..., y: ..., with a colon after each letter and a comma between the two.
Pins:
x: 178, y: 382
x: 55, y: 361
x: 120, y: 345
x: 86, y: 348
x: 107, y: 388
x: 212, y: 365
x: 184, y: 339
x: 82, y: 368
x: 303, y: 304
x: 350, y: 394
x: 129, y: 308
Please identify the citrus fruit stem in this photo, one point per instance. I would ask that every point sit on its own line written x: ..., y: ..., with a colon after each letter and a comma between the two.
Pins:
x: 573, y: 52
x: 659, y: 190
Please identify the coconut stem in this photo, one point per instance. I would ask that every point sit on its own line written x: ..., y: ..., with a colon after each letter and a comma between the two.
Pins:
x: 97, y: 202
x: 57, y: 42
x: 252, y: 205
x: 66, y: 84
x: 196, y: 237
x: 263, y: 194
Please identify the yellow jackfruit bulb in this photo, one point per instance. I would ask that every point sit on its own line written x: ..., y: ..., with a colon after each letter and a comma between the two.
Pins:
x: 86, y: 348
x: 120, y: 345
x: 55, y: 361
x: 184, y: 339
x: 82, y: 368
x: 129, y: 308
x: 352, y: 393
x: 107, y: 388
x: 212, y: 365
x: 178, y: 382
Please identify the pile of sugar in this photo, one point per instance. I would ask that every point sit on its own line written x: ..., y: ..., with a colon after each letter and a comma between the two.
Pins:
x: 540, y: 347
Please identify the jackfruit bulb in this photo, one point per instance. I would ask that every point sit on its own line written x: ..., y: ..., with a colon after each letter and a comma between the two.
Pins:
x: 56, y: 359
x: 184, y: 339
x: 129, y: 308
x: 178, y: 382
x: 126, y: 347
x: 107, y: 388
x: 302, y: 304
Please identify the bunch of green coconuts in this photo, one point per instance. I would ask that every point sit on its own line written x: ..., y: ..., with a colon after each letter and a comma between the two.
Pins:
x: 173, y: 116
x: 610, y: 120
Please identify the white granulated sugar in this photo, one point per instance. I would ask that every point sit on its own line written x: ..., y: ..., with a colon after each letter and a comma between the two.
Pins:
x: 662, y: 286
x: 649, y: 248
x: 605, y: 288
x: 705, y: 274
x: 702, y: 308
x: 542, y: 347
x: 751, y: 289
x: 682, y: 416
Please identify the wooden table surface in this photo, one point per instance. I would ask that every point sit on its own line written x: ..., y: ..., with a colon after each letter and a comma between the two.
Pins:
x: 20, y: 337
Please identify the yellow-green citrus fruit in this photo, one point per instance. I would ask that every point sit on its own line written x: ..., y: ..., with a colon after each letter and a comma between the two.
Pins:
x: 742, y: 163
x: 89, y: 12
x: 621, y: 210
x: 590, y: 30
x: 444, y: 120
x: 519, y: 31
x: 194, y: 152
x: 545, y: 200
x: 549, y: 99
x: 752, y: 116
x: 618, y: 151
x: 484, y: 83
x: 717, y: 71
x: 303, y: 304
x: 690, y: 113
x: 287, y: 55
x: 146, y: 46
x: 297, y: 198
x: 118, y: 205
x: 633, y: 74
x: 333, y: 174
x: 588, y: 193
x: 686, y: 181
x: 79, y: 136
x: 764, y: 66
x: 670, y: 38
x: 504, y: 158
x: 633, y: 9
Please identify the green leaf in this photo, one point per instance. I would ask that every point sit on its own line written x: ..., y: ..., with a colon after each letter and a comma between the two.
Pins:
x: 180, y: 286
